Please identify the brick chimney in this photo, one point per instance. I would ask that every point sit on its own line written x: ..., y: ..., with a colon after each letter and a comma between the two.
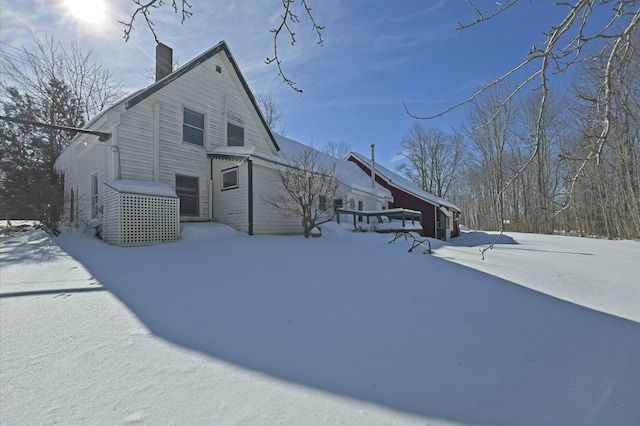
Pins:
x: 164, y: 61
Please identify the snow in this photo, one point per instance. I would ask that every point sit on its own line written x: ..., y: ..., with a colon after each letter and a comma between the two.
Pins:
x: 347, y: 172
x: 157, y: 189
x: 225, y: 328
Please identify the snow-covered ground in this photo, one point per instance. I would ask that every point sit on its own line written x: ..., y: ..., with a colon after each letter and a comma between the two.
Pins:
x: 224, y: 328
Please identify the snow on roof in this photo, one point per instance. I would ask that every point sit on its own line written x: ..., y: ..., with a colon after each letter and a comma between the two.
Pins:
x: 404, y: 183
x: 141, y: 187
x: 347, y: 172
x: 446, y: 212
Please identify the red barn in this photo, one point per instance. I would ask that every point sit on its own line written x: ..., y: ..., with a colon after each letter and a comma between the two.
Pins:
x: 440, y: 218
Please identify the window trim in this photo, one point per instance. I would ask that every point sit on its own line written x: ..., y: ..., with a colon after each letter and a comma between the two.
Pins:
x: 196, y: 196
x: 94, y: 195
x: 191, y: 126
x: 322, y: 203
x: 226, y: 171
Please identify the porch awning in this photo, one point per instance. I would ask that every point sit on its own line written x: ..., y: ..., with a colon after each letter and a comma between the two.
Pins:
x: 232, y: 157
x: 446, y: 212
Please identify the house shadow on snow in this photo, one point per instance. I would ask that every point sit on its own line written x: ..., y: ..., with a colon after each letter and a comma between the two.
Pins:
x: 464, y: 347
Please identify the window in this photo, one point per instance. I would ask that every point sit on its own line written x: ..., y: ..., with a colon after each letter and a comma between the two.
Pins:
x: 322, y: 202
x: 193, y: 127
x: 337, y: 203
x: 229, y: 178
x: 442, y: 221
x: 235, y: 135
x: 94, y: 195
x: 72, y: 208
x: 187, y: 191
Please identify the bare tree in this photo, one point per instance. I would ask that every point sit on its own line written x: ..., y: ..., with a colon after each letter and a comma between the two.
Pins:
x: 31, y: 70
x: 431, y: 158
x: 288, y: 19
x: 338, y: 149
x: 270, y: 110
x: 53, y: 86
x: 607, y: 195
x: 578, y: 37
x: 309, y: 183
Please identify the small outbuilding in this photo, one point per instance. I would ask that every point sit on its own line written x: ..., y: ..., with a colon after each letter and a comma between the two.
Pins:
x: 139, y: 213
x: 440, y: 218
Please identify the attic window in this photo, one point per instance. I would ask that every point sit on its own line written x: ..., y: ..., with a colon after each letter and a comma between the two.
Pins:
x: 218, y: 69
x: 235, y: 135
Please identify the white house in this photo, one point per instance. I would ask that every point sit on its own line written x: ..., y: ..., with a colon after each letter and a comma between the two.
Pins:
x: 197, y: 135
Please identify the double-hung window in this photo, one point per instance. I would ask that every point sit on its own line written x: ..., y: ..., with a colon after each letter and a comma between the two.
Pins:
x: 235, y: 135
x: 193, y: 127
x: 187, y: 189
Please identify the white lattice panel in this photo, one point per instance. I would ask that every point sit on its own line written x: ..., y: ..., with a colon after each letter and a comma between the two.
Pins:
x: 137, y: 220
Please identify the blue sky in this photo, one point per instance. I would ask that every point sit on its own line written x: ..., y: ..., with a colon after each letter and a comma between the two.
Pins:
x: 376, y: 55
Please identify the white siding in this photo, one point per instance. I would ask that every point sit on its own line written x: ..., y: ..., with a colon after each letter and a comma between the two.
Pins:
x: 112, y: 220
x: 203, y: 90
x: 93, y: 158
x: 231, y: 206
x: 267, y: 219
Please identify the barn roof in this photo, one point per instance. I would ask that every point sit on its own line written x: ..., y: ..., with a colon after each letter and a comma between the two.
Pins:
x: 403, y: 184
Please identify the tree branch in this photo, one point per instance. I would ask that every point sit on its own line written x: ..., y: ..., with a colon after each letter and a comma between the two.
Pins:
x: 145, y: 10
x: 287, y: 18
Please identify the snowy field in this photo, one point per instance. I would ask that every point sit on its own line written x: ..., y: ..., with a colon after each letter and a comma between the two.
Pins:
x: 222, y: 328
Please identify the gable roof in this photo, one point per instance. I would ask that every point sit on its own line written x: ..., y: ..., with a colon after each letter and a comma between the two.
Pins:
x: 133, y: 99
x: 402, y: 183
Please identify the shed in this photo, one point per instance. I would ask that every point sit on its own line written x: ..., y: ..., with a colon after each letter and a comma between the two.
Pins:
x: 440, y: 218
x: 139, y: 213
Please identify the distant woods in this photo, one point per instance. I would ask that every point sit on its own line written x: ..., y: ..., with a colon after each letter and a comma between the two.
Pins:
x: 481, y: 165
x: 543, y: 161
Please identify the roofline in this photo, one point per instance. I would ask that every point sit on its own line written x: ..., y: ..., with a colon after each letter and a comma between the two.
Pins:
x: 221, y: 46
x: 389, y: 181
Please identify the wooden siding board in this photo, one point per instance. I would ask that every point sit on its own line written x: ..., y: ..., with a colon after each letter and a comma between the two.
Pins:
x: 95, y: 160
x: 267, y: 219
x: 230, y: 207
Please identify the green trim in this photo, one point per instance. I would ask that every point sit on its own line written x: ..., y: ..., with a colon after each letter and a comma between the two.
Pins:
x: 250, y: 191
